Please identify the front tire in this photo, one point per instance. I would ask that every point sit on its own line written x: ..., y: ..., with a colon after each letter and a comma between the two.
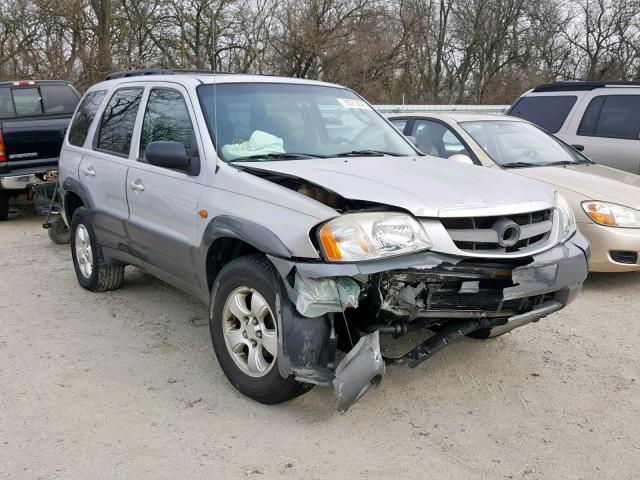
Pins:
x: 91, y: 270
x: 243, y: 325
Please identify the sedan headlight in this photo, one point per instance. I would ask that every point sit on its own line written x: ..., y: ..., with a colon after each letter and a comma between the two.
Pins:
x: 367, y: 236
x: 567, y: 218
x: 612, y: 215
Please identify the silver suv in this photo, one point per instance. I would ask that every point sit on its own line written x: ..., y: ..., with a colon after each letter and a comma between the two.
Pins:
x: 600, y: 119
x: 309, y: 225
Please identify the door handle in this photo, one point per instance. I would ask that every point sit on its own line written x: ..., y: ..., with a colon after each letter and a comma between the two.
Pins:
x: 137, y: 186
x: 579, y: 148
x: 89, y: 171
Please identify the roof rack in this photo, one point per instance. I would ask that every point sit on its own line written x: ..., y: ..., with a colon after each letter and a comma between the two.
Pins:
x: 577, y: 85
x: 159, y: 71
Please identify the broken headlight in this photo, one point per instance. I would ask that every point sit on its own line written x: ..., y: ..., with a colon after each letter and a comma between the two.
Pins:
x: 612, y: 215
x: 567, y: 218
x: 367, y: 236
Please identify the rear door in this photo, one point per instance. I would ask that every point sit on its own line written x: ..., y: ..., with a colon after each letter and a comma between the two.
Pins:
x: 103, y: 169
x: 606, y: 124
x: 34, y: 119
x: 163, y: 203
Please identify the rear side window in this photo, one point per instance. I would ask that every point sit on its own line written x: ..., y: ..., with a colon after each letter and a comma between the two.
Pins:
x: 83, y: 118
x: 58, y: 99
x: 27, y: 101
x: 546, y: 112
x: 612, y: 116
x: 167, y: 118
x: 118, y: 120
x: 6, y: 104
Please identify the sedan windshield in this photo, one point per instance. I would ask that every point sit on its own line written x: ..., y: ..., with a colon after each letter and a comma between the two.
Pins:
x: 275, y: 121
x: 518, y: 144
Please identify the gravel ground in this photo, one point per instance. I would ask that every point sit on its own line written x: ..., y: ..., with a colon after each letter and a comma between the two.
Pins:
x: 124, y: 385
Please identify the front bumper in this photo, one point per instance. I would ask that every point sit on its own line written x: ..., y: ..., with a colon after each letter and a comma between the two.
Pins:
x: 606, y: 241
x: 443, y: 293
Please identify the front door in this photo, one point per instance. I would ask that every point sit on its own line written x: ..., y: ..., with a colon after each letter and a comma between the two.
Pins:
x: 163, y: 203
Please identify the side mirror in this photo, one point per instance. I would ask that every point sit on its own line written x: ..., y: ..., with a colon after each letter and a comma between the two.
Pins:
x: 171, y: 155
x: 461, y: 158
x: 413, y: 140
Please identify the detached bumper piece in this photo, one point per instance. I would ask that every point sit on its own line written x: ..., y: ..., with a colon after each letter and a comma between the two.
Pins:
x: 453, y: 330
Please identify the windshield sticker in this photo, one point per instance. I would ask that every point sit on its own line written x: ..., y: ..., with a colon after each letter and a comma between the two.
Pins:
x: 353, y: 103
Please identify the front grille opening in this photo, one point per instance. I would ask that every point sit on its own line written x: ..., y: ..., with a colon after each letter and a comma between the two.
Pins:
x: 470, y: 233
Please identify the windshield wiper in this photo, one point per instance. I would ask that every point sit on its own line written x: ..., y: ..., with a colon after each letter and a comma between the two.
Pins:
x: 366, y: 153
x: 275, y: 156
x: 562, y: 162
x: 520, y: 165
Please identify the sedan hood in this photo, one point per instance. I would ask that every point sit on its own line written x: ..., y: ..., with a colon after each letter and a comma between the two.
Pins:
x: 424, y: 186
x: 595, y: 182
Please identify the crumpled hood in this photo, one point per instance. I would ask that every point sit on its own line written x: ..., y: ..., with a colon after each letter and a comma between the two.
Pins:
x: 425, y: 186
x: 595, y: 182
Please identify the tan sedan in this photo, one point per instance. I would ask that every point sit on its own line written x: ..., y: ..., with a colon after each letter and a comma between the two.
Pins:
x: 605, y: 201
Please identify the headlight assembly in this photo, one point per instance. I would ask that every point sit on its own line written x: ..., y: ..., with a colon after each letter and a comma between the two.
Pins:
x: 612, y: 215
x: 367, y: 236
x: 567, y: 218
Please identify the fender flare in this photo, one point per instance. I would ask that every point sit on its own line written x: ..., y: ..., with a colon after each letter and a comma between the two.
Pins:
x: 71, y: 185
x: 258, y: 236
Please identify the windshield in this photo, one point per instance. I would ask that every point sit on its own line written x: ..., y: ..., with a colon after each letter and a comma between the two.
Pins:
x: 275, y: 121
x: 520, y: 144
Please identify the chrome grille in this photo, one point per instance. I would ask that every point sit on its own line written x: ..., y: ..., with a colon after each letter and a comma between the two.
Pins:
x: 483, y: 234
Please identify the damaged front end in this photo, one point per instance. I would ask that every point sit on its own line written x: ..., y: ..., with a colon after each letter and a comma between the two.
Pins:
x: 327, y: 307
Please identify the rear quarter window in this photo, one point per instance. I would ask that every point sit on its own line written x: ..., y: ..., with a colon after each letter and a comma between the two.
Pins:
x: 84, y: 117
x: 548, y: 112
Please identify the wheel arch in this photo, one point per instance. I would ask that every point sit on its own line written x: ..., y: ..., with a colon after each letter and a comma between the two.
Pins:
x: 227, y: 237
x: 75, y: 195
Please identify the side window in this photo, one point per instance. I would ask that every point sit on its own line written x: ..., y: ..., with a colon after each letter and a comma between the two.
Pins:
x: 58, y: 99
x: 167, y: 118
x: 548, y: 112
x: 612, y: 116
x: 118, y: 120
x: 84, y: 116
x: 27, y: 101
x: 436, y: 139
x: 6, y: 104
x: 399, y: 123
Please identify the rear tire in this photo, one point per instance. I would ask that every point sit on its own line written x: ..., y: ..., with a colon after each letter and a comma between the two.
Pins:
x: 240, y: 282
x: 4, y: 205
x: 59, y: 232
x: 91, y: 270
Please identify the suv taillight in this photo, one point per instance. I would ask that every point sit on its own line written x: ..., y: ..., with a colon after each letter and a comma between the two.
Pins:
x: 3, y: 155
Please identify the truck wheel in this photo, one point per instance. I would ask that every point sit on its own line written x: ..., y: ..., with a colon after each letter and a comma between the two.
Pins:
x: 4, y: 206
x: 91, y: 270
x: 59, y: 232
x: 244, y: 330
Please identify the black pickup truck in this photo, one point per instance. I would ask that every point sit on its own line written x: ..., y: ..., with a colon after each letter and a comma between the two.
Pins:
x: 34, y: 116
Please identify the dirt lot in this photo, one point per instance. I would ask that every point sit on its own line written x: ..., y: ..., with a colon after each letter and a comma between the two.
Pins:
x: 125, y: 385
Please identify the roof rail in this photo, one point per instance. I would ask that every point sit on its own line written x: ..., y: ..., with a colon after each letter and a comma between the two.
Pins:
x: 159, y: 71
x: 577, y: 85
